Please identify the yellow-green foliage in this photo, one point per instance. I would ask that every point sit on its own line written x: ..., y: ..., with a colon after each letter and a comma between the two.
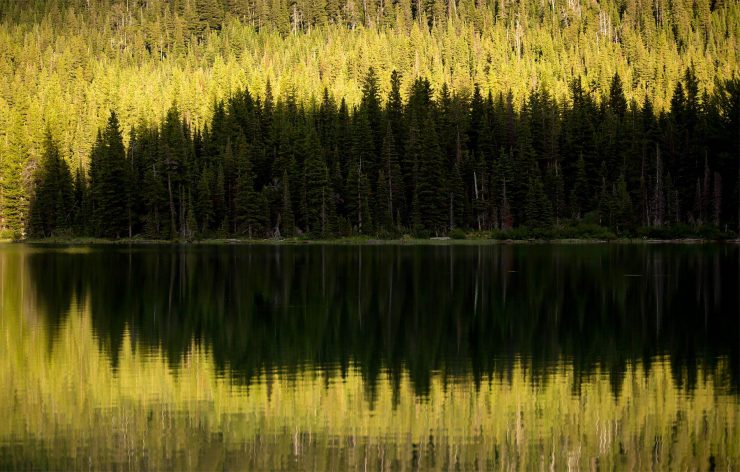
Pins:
x: 65, y: 68
x: 63, y: 397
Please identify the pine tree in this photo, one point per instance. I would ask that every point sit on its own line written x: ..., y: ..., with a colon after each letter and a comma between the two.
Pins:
x: 555, y: 187
x: 623, y: 218
x: 384, y: 215
x: 248, y: 212
x: 358, y: 198
x: 80, y: 206
x: 392, y: 192
x: 456, y: 192
x: 658, y: 203
x: 578, y: 191
x: 537, y: 208
x: 286, y: 222
x: 53, y: 199
x: 317, y: 190
x: 108, y: 182
x: 204, y: 213
x: 430, y: 183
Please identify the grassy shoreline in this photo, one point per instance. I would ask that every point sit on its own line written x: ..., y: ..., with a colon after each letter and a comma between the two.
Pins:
x: 368, y: 241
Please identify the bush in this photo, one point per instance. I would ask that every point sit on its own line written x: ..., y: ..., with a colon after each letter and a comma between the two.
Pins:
x: 10, y: 234
x: 458, y: 233
x: 585, y: 231
x: 684, y: 231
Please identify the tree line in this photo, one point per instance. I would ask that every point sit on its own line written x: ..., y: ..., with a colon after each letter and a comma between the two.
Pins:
x: 427, y: 166
x: 67, y: 63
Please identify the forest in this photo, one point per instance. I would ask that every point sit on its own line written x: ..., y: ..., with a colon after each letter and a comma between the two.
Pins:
x: 206, y: 118
x: 427, y: 166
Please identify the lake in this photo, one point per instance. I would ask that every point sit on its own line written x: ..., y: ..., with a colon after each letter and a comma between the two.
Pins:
x: 370, y: 357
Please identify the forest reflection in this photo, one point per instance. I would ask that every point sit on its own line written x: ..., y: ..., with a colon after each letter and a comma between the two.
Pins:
x: 388, y: 309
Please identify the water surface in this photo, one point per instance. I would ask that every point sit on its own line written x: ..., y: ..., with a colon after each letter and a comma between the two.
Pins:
x: 379, y: 357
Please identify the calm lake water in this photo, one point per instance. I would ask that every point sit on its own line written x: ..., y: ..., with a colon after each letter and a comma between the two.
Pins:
x: 370, y: 357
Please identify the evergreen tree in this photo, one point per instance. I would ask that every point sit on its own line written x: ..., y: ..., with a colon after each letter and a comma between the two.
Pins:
x: 430, y: 183
x: 204, y: 213
x: 286, y: 222
x: 317, y: 190
x: 578, y: 193
x: 108, y: 182
x: 53, y: 199
x: 249, y: 217
x: 537, y: 208
x: 390, y: 186
x: 623, y: 218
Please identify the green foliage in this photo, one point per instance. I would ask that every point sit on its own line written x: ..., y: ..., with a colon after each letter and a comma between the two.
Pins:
x: 53, y: 199
x: 108, y: 182
x: 287, y: 169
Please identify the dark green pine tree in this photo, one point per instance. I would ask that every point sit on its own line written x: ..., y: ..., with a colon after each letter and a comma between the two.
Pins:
x: 286, y: 222
x: 318, y: 193
x: 456, y: 193
x: 555, y: 188
x: 537, y: 207
x: 81, y: 204
x: 617, y: 101
x: 410, y: 168
x: 220, y: 210
x: 249, y: 216
x: 383, y: 216
x: 395, y: 113
x: 623, y: 212
x: 392, y: 193
x: 477, y: 122
x: 370, y: 106
x: 108, y: 177
x: 430, y: 183
x: 204, y: 214
x: 155, y: 200
x: 578, y: 193
x: 363, y: 148
x: 53, y: 200
x: 358, y: 197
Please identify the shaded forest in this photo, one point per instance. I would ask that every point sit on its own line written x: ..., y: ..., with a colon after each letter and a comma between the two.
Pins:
x: 435, y: 164
x: 68, y: 63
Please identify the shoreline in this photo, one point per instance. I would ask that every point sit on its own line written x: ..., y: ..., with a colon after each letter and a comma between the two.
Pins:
x: 357, y: 241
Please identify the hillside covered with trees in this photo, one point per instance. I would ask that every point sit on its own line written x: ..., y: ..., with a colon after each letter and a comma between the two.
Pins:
x: 198, y: 118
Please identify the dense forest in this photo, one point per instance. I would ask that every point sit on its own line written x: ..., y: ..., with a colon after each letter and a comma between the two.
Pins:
x: 427, y: 166
x: 200, y: 118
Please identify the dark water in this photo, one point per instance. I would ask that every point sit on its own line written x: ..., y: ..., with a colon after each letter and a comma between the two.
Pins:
x: 370, y: 357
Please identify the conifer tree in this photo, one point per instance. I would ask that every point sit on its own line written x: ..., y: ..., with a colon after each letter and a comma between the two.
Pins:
x: 383, y: 216
x: 578, y: 194
x: 317, y: 190
x: 80, y: 205
x: 430, y: 183
x: 53, y: 199
x: 392, y: 192
x: 108, y: 182
x: 204, y: 213
x: 623, y: 206
x: 286, y: 222
x: 537, y: 208
x: 249, y: 217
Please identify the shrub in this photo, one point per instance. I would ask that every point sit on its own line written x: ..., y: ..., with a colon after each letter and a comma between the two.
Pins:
x: 458, y: 233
